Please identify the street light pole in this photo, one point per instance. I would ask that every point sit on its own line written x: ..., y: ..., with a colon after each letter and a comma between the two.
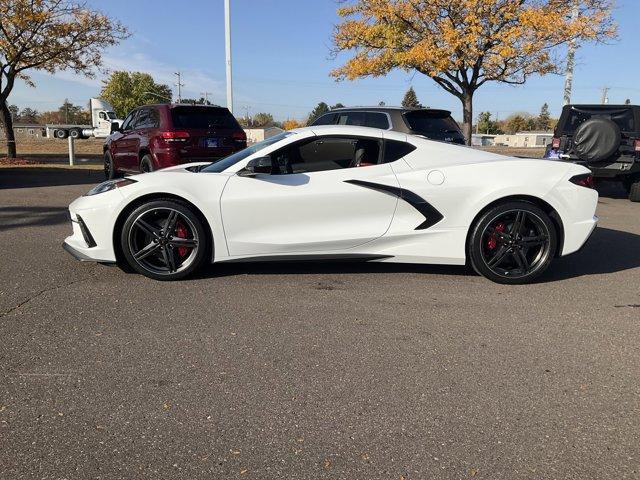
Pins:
x: 227, y: 38
x: 179, y: 85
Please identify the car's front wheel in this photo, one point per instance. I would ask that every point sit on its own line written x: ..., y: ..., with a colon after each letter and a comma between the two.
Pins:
x: 110, y: 171
x: 512, y: 243
x: 164, y: 240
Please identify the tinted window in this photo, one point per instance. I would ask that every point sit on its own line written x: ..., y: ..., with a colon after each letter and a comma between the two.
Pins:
x: 377, y: 120
x: 328, y: 153
x: 144, y: 119
x: 394, y: 150
x: 438, y: 125
x: 352, y: 118
x: 128, y: 122
x: 328, y: 119
x: 202, y: 118
x: 577, y: 116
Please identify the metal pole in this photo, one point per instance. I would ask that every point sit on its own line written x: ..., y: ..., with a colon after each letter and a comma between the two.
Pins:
x: 571, y: 55
x: 227, y: 38
x: 72, y: 151
x: 179, y: 85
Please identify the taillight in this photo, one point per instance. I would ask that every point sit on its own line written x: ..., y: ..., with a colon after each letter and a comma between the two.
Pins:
x: 555, y: 143
x: 584, y: 180
x: 240, y: 136
x: 637, y: 145
x: 177, y: 136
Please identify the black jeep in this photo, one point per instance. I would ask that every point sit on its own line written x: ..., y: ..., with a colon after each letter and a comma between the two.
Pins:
x: 605, y: 138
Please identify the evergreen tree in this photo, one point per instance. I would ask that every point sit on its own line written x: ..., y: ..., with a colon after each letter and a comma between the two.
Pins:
x: 543, y: 121
x: 410, y: 99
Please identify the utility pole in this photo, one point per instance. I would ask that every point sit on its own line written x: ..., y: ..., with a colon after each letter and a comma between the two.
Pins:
x: 227, y: 42
x: 205, y: 95
x: 179, y: 85
x: 571, y: 57
x: 605, y: 96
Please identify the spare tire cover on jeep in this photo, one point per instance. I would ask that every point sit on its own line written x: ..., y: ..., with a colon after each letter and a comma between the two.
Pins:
x: 596, y: 139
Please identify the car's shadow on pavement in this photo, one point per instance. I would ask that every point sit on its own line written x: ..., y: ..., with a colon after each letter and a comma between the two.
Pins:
x: 18, y: 217
x: 608, y: 251
x: 47, y: 177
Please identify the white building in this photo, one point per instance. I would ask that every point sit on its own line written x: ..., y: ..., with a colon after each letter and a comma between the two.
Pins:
x: 258, y: 134
x: 482, y: 140
x: 525, y: 139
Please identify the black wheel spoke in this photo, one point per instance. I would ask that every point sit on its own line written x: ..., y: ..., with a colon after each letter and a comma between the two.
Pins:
x: 183, y: 242
x: 146, y: 251
x: 148, y: 228
x: 521, y: 216
x: 169, y: 259
x: 521, y: 260
x: 534, y: 241
x: 171, y: 223
x: 499, y: 256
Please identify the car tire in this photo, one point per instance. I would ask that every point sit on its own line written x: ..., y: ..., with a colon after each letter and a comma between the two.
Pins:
x: 155, y: 253
x: 61, y: 134
x: 504, y: 253
x: 110, y: 171
x: 634, y: 191
x: 75, y: 133
x: 146, y: 164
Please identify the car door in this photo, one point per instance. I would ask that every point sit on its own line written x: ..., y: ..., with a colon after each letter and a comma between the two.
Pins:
x: 317, y: 199
x: 124, y: 148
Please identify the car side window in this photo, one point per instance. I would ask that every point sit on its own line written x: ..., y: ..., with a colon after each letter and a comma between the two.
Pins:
x: 352, y: 118
x: 326, y: 119
x: 377, y: 120
x: 326, y: 153
x: 395, y: 150
x: 128, y: 122
x: 154, y: 118
x: 142, y: 120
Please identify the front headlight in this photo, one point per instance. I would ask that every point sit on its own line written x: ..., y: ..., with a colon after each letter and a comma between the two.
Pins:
x: 110, y: 185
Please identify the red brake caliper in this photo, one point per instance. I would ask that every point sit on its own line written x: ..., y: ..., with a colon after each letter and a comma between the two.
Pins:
x: 492, y: 241
x: 181, y: 232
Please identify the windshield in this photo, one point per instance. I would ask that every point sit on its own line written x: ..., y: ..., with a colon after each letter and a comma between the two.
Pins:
x: 222, y: 165
x: 111, y: 115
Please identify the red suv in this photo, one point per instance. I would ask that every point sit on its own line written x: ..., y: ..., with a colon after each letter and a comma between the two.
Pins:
x: 158, y: 136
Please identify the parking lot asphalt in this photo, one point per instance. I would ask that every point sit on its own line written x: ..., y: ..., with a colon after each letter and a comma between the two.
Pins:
x: 325, y: 370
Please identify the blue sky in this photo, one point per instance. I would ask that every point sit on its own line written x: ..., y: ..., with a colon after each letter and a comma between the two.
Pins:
x: 281, y: 60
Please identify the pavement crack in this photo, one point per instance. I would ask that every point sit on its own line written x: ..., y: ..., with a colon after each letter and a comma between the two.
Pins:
x: 631, y: 305
x: 40, y: 293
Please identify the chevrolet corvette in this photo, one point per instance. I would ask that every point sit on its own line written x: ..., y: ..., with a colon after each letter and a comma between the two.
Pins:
x: 341, y: 192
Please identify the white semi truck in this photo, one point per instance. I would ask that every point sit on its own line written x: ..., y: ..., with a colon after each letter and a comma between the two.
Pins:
x: 102, y: 118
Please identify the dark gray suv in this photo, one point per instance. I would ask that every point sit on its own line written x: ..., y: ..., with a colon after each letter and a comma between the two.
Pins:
x: 427, y: 122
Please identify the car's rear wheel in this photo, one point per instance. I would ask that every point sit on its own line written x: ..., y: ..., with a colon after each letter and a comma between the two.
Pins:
x: 633, y: 187
x: 146, y: 164
x: 512, y: 243
x: 164, y: 240
x: 110, y: 171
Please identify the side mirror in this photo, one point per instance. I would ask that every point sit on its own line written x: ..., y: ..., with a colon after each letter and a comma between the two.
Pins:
x: 257, y: 165
x: 115, y: 127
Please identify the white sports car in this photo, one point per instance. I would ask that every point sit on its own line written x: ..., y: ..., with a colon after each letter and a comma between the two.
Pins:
x: 335, y: 192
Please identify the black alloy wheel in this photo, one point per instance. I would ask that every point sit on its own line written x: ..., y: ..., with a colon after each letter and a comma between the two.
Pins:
x: 109, y: 169
x: 164, y: 240
x: 146, y: 164
x: 513, y: 243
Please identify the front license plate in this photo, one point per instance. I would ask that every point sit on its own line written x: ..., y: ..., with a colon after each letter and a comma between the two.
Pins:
x: 211, y: 143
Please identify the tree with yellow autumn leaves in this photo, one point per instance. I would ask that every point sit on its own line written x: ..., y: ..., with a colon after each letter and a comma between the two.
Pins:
x: 49, y: 35
x: 464, y: 44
